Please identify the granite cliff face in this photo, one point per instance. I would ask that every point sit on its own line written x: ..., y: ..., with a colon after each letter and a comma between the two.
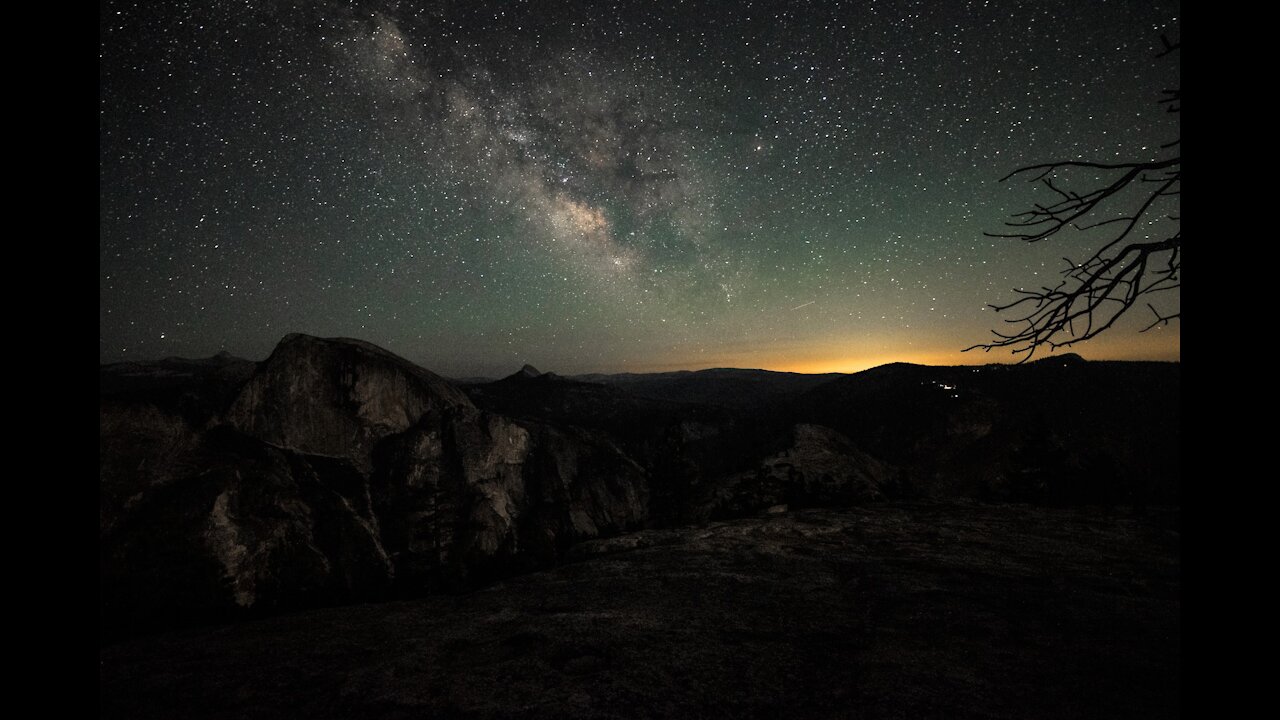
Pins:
x: 467, y: 496
x: 820, y: 468
x: 335, y: 472
x: 337, y: 397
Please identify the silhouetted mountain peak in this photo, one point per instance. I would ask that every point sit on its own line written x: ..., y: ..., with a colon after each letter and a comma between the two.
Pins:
x: 336, y: 397
x: 174, y: 362
x: 1063, y: 359
x: 529, y: 372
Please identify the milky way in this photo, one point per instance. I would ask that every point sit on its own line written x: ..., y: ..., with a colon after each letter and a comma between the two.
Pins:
x: 602, y: 187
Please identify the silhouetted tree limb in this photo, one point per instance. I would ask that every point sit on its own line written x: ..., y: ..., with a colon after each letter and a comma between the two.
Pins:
x: 1134, y: 207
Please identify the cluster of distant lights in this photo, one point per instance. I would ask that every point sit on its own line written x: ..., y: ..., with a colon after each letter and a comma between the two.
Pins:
x: 951, y: 389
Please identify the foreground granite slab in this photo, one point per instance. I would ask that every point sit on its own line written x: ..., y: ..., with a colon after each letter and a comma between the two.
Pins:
x: 955, y: 610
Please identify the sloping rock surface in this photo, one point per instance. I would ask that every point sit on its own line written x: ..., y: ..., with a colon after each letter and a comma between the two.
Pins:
x: 954, y: 610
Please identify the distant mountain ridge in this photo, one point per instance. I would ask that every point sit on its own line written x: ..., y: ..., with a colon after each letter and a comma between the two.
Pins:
x: 729, y: 387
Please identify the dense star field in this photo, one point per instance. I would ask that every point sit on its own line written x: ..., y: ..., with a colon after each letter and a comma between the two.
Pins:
x: 623, y: 186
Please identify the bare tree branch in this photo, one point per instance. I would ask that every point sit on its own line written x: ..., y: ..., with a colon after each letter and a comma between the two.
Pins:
x: 1160, y: 319
x: 1130, y: 263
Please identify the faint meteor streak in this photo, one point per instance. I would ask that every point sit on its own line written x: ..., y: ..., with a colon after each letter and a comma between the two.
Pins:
x: 804, y: 305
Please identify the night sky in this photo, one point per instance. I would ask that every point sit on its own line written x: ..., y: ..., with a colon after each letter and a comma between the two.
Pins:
x: 622, y: 186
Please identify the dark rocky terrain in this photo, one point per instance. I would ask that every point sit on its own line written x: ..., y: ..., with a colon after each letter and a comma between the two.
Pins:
x: 724, y: 543
x: 939, y: 610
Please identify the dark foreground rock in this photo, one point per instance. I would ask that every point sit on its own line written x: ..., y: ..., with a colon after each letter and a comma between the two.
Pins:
x: 956, y: 610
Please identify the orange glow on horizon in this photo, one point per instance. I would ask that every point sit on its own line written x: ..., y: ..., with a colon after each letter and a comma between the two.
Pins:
x: 836, y: 357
